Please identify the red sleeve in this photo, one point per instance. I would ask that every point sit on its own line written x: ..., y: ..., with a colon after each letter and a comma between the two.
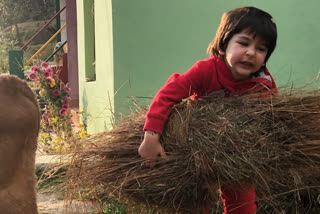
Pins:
x: 177, y: 87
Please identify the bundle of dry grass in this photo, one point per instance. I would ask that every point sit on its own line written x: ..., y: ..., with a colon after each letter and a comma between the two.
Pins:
x: 273, y: 143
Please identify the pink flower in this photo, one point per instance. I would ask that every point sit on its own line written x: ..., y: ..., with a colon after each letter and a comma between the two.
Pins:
x: 67, y: 89
x: 55, y: 93
x: 49, y: 70
x: 44, y: 118
x: 44, y: 64
x: 66, y: 100
x: 66, y: 106
x: 62, y: 85
x: 46, y: 108
x: 32, y: 75
x: 34, y: 68
x: 46, y: 74
x: 63, y: 111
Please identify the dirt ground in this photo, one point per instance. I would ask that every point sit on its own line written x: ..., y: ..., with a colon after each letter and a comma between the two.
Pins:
x: 53, y: 203
x: 49, y: 203
x: 50, y: 200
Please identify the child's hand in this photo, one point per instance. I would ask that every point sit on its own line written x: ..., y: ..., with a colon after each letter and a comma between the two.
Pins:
x: 150, y: 148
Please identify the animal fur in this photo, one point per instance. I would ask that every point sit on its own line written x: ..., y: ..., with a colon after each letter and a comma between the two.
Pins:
x: 19, y: 128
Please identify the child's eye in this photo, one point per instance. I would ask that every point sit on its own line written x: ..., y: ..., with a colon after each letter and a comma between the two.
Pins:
x: 243, y: 43
x: 263, y: 49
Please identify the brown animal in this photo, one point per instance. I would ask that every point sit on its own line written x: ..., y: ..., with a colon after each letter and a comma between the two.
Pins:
x: 19, y: 128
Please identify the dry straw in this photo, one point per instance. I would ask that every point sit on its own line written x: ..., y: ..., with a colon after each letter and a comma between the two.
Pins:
x: 272, y: 143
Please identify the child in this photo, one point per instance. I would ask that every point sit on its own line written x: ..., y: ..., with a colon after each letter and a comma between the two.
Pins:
x: 243, y: 44
x: 58, y: 57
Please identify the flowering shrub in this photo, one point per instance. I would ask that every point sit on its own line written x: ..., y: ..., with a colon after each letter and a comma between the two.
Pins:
x: 56, y: 124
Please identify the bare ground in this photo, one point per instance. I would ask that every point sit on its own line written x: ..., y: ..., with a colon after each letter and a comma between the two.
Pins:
x: 52, y: 200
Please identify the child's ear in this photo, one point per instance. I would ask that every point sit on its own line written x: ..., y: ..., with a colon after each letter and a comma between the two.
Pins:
x: 221, y: 53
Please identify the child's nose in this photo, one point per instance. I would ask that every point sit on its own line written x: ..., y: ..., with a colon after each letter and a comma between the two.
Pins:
x: 250, y: 51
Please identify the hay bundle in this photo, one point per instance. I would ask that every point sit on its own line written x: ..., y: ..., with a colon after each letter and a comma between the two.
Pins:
x: 273, y: 143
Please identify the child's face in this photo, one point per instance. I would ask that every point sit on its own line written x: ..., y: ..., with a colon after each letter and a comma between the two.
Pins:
x: 244, y: 55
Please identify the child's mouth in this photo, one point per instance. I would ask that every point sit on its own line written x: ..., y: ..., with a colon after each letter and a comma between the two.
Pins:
x: 246, y: 64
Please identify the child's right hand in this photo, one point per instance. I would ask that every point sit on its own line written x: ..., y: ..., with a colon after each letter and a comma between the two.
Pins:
x: 150, y: 148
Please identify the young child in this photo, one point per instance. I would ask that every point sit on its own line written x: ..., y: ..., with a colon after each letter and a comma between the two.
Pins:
x: 58, y: 58
x: 243, y: 44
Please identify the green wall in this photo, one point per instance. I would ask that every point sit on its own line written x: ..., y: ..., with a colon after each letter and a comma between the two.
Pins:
x: 139, y: 43
x: 153, y: 39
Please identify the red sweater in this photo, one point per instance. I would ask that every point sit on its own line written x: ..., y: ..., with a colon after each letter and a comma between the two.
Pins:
x: 203, y: 78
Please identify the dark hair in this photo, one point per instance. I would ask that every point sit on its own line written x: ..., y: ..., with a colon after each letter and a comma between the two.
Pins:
x: 251, y: 19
